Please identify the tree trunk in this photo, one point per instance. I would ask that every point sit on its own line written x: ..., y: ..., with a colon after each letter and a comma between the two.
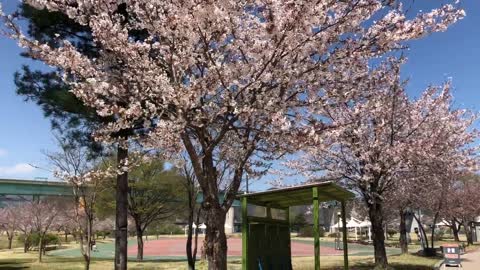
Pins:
x: 10, y: 239
x: 433, y: 228
x: 191, y: 215
x: 468, y: 233
x: 421, y: 230
x: 84, y: 243
x: 66, y: 237
x: 428, y: 251
x: 190, y: 260
x: 121, y: 218
x: 139, y: 244
x: 40, y: 248
x: 87, y: 255
x: 203, y: 249
x: 195, y: 248
x: 25, y: 243
x: 375, y: 212
x: 403, y: 232
x: 87, y: 264
x: 192, y: 252
x: 216, y: 249
x: 455, y: 230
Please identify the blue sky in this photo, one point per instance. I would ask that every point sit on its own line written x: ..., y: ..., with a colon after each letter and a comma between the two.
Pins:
x: 452, y: 54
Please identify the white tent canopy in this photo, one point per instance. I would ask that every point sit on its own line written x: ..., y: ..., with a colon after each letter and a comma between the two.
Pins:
x: 445, y: 223
x: 356, y: 224
x: 193, y: 225
x: 352, y: 223
x: 365, y: 223
x: 202, y: 228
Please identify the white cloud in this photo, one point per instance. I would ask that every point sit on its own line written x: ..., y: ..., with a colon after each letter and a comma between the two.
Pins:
x: 3, y: 152
x: 17, y: 169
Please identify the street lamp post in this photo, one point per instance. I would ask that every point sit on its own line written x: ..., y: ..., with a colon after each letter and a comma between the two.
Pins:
x: 339, y: 214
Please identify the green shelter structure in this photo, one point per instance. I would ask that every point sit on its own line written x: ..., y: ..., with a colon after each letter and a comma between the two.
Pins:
x: 266, y: 226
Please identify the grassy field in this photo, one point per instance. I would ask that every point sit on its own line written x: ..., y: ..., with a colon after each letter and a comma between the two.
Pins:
x: 18, y: 244
x: 16, y: 259
x: 4, y: 242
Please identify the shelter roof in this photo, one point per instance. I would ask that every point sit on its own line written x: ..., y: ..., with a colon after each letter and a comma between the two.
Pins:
x: 298, y: 195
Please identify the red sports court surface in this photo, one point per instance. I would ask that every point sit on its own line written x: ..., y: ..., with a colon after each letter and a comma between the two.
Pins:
x: 176, y: 247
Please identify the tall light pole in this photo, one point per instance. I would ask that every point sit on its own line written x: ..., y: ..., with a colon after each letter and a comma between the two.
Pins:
x: 339, y: 214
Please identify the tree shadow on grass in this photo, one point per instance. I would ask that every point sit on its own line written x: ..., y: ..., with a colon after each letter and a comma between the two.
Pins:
x: 32, y: 263
x: 393, y: 266
x: 12, y: 264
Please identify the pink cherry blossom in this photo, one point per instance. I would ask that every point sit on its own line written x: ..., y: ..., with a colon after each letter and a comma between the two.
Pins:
x: 231, y: 83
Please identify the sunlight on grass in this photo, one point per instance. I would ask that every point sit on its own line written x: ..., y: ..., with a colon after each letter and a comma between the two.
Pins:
x: 16, y: 259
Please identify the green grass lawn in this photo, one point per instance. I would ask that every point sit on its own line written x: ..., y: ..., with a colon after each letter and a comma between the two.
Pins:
x: 18, y: 244
x: 16, y: 259
x: 397, y: 262
x: 4, y: 242
x: 354, y: 249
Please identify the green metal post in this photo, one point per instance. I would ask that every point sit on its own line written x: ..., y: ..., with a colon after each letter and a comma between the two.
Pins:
x: 244, y: 234
x: 345, y: 244
x: 287, y: 215
x: 315, y: 228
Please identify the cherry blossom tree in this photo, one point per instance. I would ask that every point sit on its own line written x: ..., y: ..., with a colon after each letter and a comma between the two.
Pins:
x: 105, y: 226
x: 194, y: 213
x: 66, y: 222
x: 455, y: 225
x: 382, y: 136
x: 461, y: 205
x: 413, y: 192
x: 224, y: 80
x: 437, y: 187
x: 25, y: 224
x: 403, y: 205
x: 9, y: 219
x: 43, y: 213
x: 450, y: 156
x: 72, y: 164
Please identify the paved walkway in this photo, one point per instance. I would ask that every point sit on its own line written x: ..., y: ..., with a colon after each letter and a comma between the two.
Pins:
x: 470, y: 261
